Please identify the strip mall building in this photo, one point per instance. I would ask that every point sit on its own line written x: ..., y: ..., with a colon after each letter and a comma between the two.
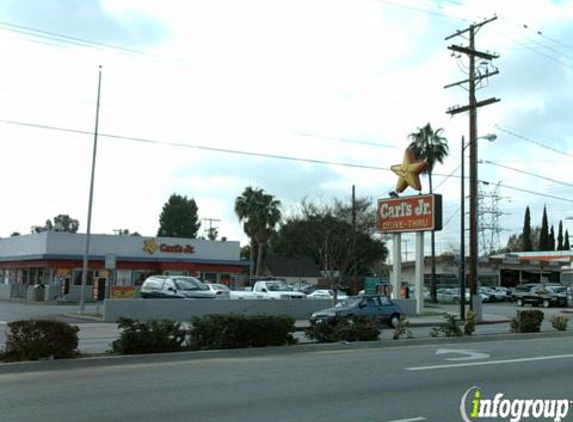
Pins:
x: 54, y: 261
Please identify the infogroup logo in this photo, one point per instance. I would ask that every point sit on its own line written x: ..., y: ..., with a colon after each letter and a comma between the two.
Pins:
x: 475, y: 407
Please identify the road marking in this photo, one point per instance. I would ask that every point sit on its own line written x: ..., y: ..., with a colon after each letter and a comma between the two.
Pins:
x: 489, y: 362
x: 469, y: 355
x: 408, y: 420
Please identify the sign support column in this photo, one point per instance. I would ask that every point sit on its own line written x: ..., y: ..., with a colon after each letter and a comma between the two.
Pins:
x: 396, y: 264
x: 419, y: 275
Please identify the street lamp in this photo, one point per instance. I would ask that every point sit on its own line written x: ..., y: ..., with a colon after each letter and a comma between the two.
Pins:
x: 490, y: 137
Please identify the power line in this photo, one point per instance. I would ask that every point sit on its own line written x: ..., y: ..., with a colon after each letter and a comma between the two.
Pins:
x: 418, y: 9
x: 247, y: 153
x: 528, y: 173
x: 199, y: 147
x: 542, y: 145
x: 54, y: 36
x: 350, y: 141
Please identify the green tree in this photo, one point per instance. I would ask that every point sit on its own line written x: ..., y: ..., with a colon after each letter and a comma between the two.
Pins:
x: 337, y: 242
x: 560, y: 237
x: 60, y: 223
x: 429, y: 145
x: 526, y: 235
x: 179, y: 218
x: 566, y: 246
x: 544, y: 235
x: 551, y: 239
x: 260, y: 213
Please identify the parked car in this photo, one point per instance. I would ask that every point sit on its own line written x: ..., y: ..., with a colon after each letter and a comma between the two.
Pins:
x: 175, y: 287
x: 504, y: 292
x: 451, y: 295
x: 367, y: 306
x: 221, y: 290
x: 544, y: 295
x: 327, y: 294
x: 275, y: 289
x: 492, y: 295
x: 521, y: 290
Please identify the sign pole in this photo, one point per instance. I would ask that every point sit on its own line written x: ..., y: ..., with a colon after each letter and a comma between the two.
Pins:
x: 396, y: 264
x: 419, y: 274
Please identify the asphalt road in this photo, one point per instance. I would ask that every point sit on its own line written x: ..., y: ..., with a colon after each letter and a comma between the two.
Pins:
x: 358, y: 383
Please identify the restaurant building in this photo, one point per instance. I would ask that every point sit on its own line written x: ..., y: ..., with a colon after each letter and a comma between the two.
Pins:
x: 48, y: 265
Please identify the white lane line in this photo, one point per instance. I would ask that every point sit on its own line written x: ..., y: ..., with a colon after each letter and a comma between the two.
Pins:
x: 408, y: 420
x: 490, y: 362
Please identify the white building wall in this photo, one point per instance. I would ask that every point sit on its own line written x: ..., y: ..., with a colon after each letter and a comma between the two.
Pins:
x: 57, y: 243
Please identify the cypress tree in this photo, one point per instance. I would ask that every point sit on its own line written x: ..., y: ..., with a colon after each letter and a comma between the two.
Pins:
x: 566, y: 246
x: 560, y: 237
x: 526, y: 234
x: 551, y: 239
x: 544, y: 235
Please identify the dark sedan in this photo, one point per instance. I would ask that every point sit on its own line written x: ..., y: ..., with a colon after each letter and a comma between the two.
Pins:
x: 368, y: 306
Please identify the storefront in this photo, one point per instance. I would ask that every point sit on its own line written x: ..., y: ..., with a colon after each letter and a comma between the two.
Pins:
x: 53, y: 262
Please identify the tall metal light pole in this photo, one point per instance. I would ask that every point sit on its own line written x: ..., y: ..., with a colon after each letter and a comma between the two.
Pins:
x: 90, y: 201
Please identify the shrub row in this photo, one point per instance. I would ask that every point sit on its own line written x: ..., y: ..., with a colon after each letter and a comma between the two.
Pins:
x: 236, y: 331
x: 344, y: 329
x: 527, y: 321
x: 40, y: 339
x: 159, y: 336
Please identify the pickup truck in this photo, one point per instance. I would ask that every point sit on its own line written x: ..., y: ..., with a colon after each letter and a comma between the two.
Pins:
x: 275, y: 289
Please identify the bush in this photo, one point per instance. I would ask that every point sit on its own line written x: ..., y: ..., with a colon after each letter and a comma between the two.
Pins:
x: 528, y: 321
x: 451, y: 328
x: 149, y: 337
x: 470, y: 323
x: 40, y: 339
x: 402, y: 329
x: 560, y: 322
x: 236, y: 331
x: 344, y: 329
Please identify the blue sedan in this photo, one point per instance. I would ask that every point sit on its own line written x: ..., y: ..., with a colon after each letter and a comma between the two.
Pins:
x: 368, y: 306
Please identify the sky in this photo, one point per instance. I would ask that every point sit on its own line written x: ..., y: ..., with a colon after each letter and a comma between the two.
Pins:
x: 199, y: 98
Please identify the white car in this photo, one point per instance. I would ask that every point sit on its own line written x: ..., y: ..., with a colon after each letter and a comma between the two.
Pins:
x: 222, y: 291
x: 327, y: 294
x: 226, y: 293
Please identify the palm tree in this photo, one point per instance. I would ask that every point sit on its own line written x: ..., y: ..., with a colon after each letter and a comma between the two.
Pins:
x: 260, y: 213
x: 427, y: 144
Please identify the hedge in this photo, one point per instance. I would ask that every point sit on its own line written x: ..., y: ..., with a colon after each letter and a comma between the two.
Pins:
x: 237, y: 331
x: 40, y: 339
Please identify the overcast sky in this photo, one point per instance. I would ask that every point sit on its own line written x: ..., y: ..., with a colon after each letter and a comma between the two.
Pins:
x: 339, y: 81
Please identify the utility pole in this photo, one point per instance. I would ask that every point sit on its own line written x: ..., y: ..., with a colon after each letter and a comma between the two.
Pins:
x: 473, y: 78
x: 211, y: 229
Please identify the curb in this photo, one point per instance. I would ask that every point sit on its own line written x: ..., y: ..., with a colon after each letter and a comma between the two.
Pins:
x: 84, y: 317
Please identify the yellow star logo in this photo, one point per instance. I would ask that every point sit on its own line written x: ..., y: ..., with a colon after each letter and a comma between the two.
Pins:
x: 409, y: 172
x: 150, y: 246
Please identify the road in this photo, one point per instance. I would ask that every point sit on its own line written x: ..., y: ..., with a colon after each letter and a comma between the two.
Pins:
x: 358, y: 383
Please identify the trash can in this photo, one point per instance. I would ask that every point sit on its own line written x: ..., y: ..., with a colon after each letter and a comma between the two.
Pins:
x: 39, y: 292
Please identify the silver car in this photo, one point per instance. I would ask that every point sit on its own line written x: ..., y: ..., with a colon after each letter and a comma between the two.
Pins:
x: 175, y: 287
x: 221, y: 290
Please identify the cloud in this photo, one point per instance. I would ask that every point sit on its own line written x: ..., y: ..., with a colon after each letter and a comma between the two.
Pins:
x: 87, y: 19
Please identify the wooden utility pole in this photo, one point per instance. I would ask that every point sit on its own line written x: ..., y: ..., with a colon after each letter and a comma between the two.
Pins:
x: 473, y: 105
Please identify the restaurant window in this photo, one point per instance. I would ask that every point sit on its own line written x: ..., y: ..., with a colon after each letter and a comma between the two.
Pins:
x: 78, y: 278
x: 209, y: 277
x: 139, y: 276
